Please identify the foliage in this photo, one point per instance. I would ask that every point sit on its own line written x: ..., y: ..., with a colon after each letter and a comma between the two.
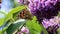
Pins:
x: 58, y: 30
x: 59, y: 14
x: 34, y: 27
x: 13, y: 27
x: 9, y: 16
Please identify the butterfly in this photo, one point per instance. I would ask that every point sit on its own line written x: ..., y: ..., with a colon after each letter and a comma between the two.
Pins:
x: 25, y: 14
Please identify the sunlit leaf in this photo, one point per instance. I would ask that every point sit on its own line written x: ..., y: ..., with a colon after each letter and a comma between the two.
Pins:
x: 35, y: 27
x: 58, y: 30
x: 10, y: 14
x: 13, y: 27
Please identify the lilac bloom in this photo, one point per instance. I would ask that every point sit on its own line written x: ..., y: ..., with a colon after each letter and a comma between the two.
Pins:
x: 46, y: 2
x: 44, y: 8
x: 51, y: 22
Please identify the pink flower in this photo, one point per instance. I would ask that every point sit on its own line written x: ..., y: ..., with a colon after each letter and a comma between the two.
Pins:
x: 25, y: 30
x: 19, y: 33
x: 20, y: 1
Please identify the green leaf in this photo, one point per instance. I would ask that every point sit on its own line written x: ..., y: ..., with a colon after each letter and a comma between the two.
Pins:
x: 58, y: 30
x: 17, y: 9
x: 2, y: 20
x: 43, y: 29
x: 1, y: 32
x: 59, y: 14
x: 10, y: 14
x: 2, y: 12
x: 34, y: 26
x: 13, y: 27
x: 33, y: 31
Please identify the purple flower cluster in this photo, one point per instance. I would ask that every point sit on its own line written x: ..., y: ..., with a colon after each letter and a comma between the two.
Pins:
x: 22, y: 2
x: 37, y: 4
x: 51, y: 22
x: 44, y: 8
x: 24, y: 30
